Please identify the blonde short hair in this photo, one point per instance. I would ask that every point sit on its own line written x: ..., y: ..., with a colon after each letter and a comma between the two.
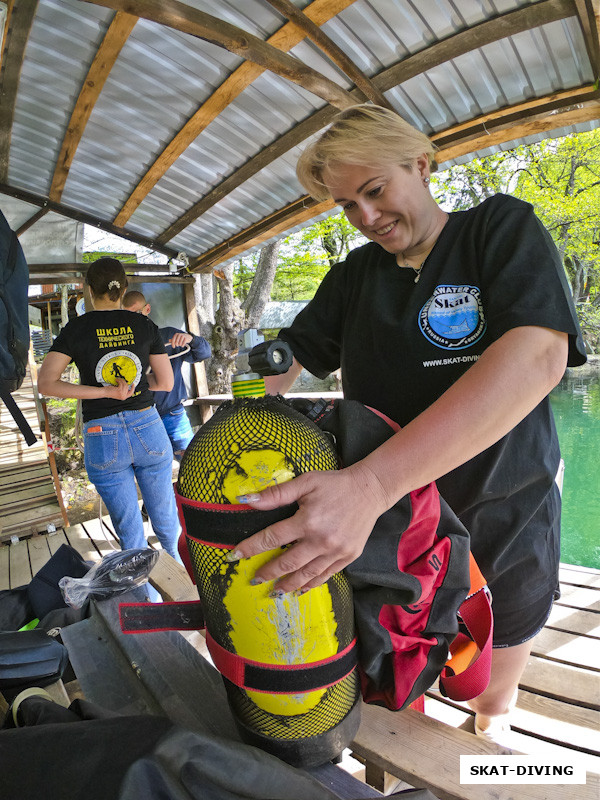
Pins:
x: 366, y: 135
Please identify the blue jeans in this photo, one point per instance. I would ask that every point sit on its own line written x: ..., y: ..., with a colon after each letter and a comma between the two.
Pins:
x: 134, y: 445
x: 179, y: 429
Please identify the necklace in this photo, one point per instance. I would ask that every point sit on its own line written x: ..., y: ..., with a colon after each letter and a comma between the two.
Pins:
x: 416, y: 270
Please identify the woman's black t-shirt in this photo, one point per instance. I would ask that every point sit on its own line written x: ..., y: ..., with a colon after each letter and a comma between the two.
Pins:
x: 401, y: 344
x: 106, y: 345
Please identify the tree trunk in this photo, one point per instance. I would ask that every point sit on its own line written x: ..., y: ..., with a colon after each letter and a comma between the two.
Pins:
x: 231, y: 317
x: 260, y: 290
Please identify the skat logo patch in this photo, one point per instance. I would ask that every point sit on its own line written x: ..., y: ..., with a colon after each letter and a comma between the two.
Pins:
x: 119, y: 364
x: 453, y: 317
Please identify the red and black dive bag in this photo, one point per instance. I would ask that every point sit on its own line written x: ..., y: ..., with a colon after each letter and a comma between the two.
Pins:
x: 414, y: 582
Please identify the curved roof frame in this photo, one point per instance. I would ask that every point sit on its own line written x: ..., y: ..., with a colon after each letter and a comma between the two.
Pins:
x: 509, y: 122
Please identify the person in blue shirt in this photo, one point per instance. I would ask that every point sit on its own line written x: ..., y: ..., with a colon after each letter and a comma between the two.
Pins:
x: 170, y: 404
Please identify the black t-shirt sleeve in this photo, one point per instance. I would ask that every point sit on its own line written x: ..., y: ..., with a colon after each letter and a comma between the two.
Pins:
x: 62, y: 343
x: 523, y: 279
x: 315, y: 334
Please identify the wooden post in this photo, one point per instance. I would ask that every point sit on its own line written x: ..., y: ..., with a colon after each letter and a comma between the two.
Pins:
x: 194, y: 328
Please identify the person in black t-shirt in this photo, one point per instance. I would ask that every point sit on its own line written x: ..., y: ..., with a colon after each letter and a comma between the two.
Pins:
x: 457, y: 326
x: 121, y: 361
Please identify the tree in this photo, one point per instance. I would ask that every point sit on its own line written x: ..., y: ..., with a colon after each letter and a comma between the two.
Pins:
x: 223, y: 317
x: 307, y: 255
x: 289, y: 269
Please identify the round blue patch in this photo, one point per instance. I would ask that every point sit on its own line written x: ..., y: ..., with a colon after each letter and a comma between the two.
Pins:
x: 453, y: 317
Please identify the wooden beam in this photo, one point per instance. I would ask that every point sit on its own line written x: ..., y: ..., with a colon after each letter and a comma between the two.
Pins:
x: 108, y: 52
x: 588, y: 12
x: 194, y: 22
x: 19, y: 22
x: 31, y: 221
x: 579, y: 113
x: 89, y: 219
x: 465, y: 41
x: 62, y: 278
x: 75, y: 272
x: 302, y: 210
x: 193, y: 327
x: 331, y: 50
x: 520, y: 112
x: 131, y: 267
x: 319, y: 12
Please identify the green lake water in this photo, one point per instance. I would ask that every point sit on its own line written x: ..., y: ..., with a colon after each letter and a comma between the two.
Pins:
x: 576, y: 406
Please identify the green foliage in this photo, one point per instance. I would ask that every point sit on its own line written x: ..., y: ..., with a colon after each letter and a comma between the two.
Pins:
x: 62, y: 414
x: 304, y: 259
x: 126, y: 258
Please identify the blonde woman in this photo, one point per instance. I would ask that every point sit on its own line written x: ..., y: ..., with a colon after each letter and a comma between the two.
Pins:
x: 457, y: 326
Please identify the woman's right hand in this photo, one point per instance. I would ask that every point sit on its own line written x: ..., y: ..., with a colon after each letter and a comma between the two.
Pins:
x: 122, y: 391
x: 337, y: 512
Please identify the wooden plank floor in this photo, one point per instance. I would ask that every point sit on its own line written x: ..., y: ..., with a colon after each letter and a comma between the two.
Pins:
x: 558, y: 709
x: 29, y: 499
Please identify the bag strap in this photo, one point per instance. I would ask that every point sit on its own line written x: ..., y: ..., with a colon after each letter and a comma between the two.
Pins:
x: 17, y: 415
x: 178, y: 615
x: 467, y: 671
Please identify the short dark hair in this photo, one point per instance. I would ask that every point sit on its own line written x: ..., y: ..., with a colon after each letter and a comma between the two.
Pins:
x: 106, y: 276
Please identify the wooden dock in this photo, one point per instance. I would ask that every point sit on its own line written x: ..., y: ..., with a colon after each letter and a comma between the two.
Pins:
x: 558, y: 710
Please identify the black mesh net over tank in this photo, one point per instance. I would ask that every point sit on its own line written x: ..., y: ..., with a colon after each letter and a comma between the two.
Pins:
x: 260, y: 423
x: 220, y: 448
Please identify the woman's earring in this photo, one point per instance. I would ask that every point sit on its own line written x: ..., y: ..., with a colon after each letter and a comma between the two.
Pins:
x: 426, y: 181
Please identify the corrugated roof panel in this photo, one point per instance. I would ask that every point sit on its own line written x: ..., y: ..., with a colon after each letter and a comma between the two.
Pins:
x: 378, y: 34
x: 252, y: 16
x: 274, y: 188
x: 267, y: 108
x: 506, y: 72
x: 63, y: 39
x: 308, y: 53
x: 147, y: 98
x: 163, y: 76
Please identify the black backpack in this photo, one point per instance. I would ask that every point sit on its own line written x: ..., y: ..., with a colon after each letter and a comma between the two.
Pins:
x: 14, y: 323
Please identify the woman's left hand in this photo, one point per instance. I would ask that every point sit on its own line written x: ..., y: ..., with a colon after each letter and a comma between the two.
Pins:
x: 337, y: 512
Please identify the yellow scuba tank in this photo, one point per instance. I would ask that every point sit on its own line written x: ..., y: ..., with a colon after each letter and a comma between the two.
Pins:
x: 289, y: 663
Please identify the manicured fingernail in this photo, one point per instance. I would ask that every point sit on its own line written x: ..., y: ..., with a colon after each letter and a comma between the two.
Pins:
x: 248, y: 498
x: 256, y: 581
x: 277, y: 594
x: 233, y: 555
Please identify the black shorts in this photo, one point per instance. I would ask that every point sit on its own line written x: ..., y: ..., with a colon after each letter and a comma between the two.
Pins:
x: 514, y: 627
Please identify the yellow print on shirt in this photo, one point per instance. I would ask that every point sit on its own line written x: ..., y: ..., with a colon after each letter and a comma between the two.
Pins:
x: 115, y: 337
x: 119, y: 364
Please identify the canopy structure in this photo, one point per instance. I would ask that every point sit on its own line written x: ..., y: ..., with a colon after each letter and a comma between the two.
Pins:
x: 177, y: 125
